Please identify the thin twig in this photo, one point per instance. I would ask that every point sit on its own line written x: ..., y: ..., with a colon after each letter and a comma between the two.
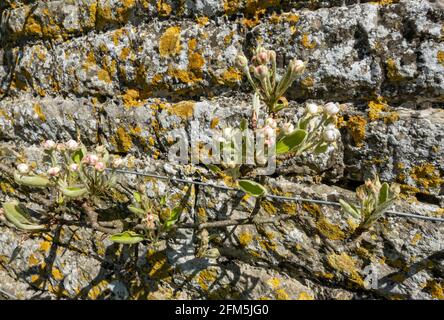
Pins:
x: 271, y: 196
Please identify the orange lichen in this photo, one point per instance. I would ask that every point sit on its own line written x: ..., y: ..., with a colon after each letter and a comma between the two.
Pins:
x: 346, y: 265
x: 231, y: 76
x: 436, y: 289
x: 203, y: 21
x: 305, y: 41
x: 245, y: 238
x: 132, y: 98
x: 357, y: 127
x: 183, y: 109
x: 39, y: 112
x: 378, y: 106
x: 123, y: 141
x: 427, y: 176
x: 231, y: 6
x: 169, y: 43
x: 440, y: 57
x: 104, y: 76
x: 163, y: 8
x: 307, y: 82
x: 392, y: 71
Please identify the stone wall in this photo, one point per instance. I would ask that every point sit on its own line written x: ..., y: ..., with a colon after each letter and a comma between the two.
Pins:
x: 125, y: 73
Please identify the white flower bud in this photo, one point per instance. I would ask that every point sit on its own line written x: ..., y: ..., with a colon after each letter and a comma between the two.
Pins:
x: 23, y: 168
x: 49, y: 145
x: 74, y: 167
x: 288, y: 128
x: 331, y: 135
x: 297, y: 67
x: 241, y: 61
x: 72, y: 145
x: 54, y: 171
x: 312, y: 108
x: 117, y: 162
x: 331, y: 108
x: 271, y: 122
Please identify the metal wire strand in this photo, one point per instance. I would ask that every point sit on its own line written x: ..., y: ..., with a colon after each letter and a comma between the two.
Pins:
x: 270, y: 196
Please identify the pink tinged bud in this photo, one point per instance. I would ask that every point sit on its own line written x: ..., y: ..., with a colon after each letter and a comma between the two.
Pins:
x: 241, y: 61
x: 23, y: 168
x: 93, y: 159
x: 263, y: 57
x: 74, y: 167
x: 49, y: 145
x: 331, y: 108
x: 54, y: 171
x: 99, y: 166
x: 72, y: 145
x: 312, y: 108
x: 261, y: 72
x: 297, y: 67
x: 149, y: 217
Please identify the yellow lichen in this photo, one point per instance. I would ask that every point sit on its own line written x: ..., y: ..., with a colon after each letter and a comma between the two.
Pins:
x: 169, y: 43
x: 206, y: 278
x: 378, y: 106
x: 307, y: 82
x: 231, y: 76
x: 104, y: 76
x: 45, y: 246
x: 281, y: 294
x: 203, y: 21
x: 346, y: 265
x: 416, y: 238
x: 392, y: 71
x: 163, y: 8
x: 39, y: 112
x: 427, y: 176
x: 329, y: 230
x: 440, y: 57
x: 274, y: 283
x: 305, y: 296
x: 57, y: 274
x: 131, y: 98
x: 183, y: 109
x: 33, y: 261
x: 231, y: 6
x: 305, y: 41
x: 124, y: 142
x: 436, y: 289
x: 245, y: 238
x: 356, y: 125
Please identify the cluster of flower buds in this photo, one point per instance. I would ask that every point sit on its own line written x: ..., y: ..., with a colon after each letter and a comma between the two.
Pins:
x: 271, y: 86
x: 71, y: 169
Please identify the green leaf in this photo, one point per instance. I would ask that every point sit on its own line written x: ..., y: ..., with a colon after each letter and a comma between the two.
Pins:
x: 174, y: 217
x: 77, y: 156
x: 291, y: 141
x: 137, y: 211
x: 383, y: 193
x: 127, y: 237
x: 253, y: 188
x: 214, y: 168
x: 74, y: 192
x: 137, y: 197
x: 350, y: 209
x: 244, y: 124
x: 31, y: 181
x: 162, y: 201
x: 321, y: 148
x: 19, y: 217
